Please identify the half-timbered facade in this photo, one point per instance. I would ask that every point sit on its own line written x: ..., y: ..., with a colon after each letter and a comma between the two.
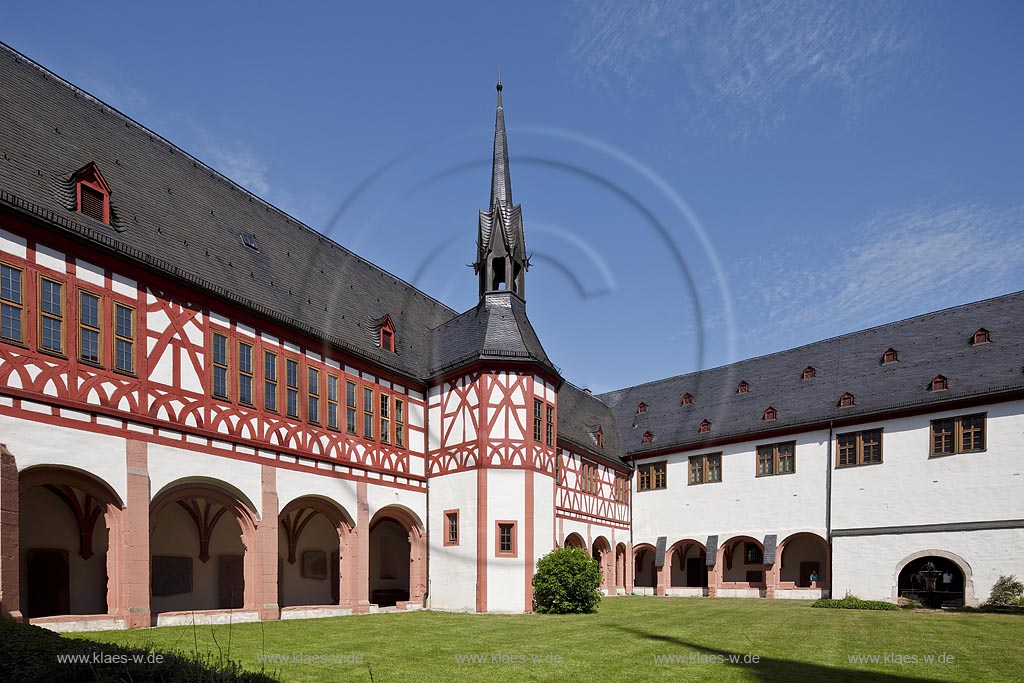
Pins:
x: 210, y: 411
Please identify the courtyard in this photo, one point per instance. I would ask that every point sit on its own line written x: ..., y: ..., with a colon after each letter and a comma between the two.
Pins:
x: 629, y: 638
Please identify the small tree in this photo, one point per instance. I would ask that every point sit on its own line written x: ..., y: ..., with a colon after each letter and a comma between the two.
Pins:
x: 566, y: 582
x: 1007, y: 590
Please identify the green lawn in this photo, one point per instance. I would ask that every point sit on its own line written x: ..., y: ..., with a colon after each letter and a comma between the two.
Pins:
x: 621, y: 642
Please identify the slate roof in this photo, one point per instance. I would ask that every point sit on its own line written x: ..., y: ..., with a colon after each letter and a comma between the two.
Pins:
x: 580, y: 414
x: 927, y: 345
x: 177, y: 215
x: 496, y: 328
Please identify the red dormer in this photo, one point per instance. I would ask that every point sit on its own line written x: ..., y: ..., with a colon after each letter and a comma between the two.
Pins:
x: 641, y: 408
x: 770, y: 413
x: 809, y: 373
x: 92, y: 194
x: 648, y: 437
x: 387, y: 335
x: 599, y: 435
x: 846, y: 400
x: 687, y: 399
x: 980, y: 337
x: 743, y: 387
x: 705, y: 426
x: 890, y: 356
x: 939, y: 383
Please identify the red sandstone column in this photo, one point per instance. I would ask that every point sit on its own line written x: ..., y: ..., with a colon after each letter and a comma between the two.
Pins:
x: 128, y: 590
x: 630, y: 569
x: 715, y: 574
x: 10, y: 596
x: 266, y: 548
x: 771, y: 579
x: 664, y: 572
x: 360, y: 586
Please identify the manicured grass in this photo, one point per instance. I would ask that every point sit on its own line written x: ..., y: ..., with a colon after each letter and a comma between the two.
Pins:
x: 621, y: 642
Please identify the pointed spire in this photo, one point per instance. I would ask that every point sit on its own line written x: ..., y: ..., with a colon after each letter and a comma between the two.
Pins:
x: 501, y: 184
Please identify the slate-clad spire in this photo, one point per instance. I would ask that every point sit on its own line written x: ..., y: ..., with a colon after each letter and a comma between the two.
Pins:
x: 501, y: 246
x: 501, y: 183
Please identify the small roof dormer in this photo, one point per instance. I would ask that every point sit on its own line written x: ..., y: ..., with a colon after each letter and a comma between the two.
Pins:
x: 92, y: 194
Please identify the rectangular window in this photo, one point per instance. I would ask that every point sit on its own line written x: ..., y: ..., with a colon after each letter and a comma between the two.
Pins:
x: 962, y: 434
x: 451, y: 532
x: 291, y: 391
x: 313, y: 395
x: 332, y: 402
x: 270, y: 381
x: 12, y: 305
x: 652, y: 476
x: 385, y: 418
x: 859, y: 448
x: 51, y: 321
x: 124, y: 338
x: 549, y: 426
x: 220, y: 365
x: 368, y: 413
x: 776, y: 458
x: 350, y: 407
x: 538, y: 411
x: 705, y: 469
x: 89, y: 327
x: 400, y: 423
x: 505, y: 539
x: 245, y: 373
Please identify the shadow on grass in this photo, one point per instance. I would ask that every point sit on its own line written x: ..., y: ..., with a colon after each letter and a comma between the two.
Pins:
x: 768, y: 668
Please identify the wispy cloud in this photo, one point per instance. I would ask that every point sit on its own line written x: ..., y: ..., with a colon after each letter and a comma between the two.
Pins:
x: 897, y: 264
x: 237, y: 161
x: 742, y: 62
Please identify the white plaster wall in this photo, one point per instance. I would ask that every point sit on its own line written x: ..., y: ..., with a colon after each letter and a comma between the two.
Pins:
x: 168, y: 464
x: 35, y: 443
x: 506, y: 500
x: 292, y: 485
x: 293, y: 588
x: 174, y: 533
x: 544, y: 516
x: 453, y: 568
x: 909, y: 487
x: 742, y: 503
x: 378, y: 497
x: 866, y: 565
x: 49, y: 524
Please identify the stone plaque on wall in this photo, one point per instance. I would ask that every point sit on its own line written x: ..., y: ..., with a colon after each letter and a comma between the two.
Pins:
x: 172, y: 575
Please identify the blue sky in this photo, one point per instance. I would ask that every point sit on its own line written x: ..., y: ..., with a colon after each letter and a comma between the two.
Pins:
x: 700, y: 182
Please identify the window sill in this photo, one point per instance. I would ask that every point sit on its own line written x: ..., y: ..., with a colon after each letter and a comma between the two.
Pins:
x: 52, y: 353
x: 91, y: 363
x: 773, y: 474
x: 860, y: 464
x: 125, y: 373
x: 13, y: 342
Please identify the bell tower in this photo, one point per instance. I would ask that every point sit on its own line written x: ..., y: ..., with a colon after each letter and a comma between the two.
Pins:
x: 501, y: 261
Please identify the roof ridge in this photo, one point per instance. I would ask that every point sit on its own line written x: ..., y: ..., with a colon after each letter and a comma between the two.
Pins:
x: 207, y: 167
x: 838, y: 337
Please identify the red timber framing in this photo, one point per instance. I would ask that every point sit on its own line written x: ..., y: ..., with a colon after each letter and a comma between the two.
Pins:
x: 168, y: 397
x: 587, y: 491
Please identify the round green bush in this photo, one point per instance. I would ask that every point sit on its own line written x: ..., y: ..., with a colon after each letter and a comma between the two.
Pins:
x: 566, y: 582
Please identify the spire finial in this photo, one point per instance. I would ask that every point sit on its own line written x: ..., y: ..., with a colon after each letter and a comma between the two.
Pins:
x: 499, y: 79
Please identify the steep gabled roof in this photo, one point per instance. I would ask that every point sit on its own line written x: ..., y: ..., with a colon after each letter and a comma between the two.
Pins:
x: 928, y: 345
x: 580, y: 415
x: 177, y: 215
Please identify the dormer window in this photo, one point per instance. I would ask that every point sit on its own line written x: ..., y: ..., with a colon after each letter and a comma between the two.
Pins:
x: 846, y: 400
x: 705, y: 426
x: 249, y: 240
x: 940, y: 383
x: 387, y: 335
x: 980, y: 337
x: 641, y: 408
x: 770, y: 413
x: 808, y: 373
x: 743, y: 387
x: 890, y: 356
x: 686, y: 400
x: 599, y: 435
x: 92, y: 194
x: 648, y: 437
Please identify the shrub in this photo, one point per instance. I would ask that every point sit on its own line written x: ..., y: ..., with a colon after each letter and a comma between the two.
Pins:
x: 566, y: 582
x: 853, y: 602
x: 1007, y: 590
x: 31, y: 653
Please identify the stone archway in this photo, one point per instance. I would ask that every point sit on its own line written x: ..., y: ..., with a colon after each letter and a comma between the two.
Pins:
x: 687, y: 565
x: 922, y: 556
x: 574, y: 540
x: 69, y: 526
x: 397, y: 561
x: 803, y: 564
x: 202, y: 549
x: 644, y: 573
x: 602, y: 553
x: 315, y: 563
x: 620, y: 567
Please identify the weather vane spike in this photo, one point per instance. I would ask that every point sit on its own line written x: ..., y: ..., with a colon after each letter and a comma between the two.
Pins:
x: 499, y: 79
